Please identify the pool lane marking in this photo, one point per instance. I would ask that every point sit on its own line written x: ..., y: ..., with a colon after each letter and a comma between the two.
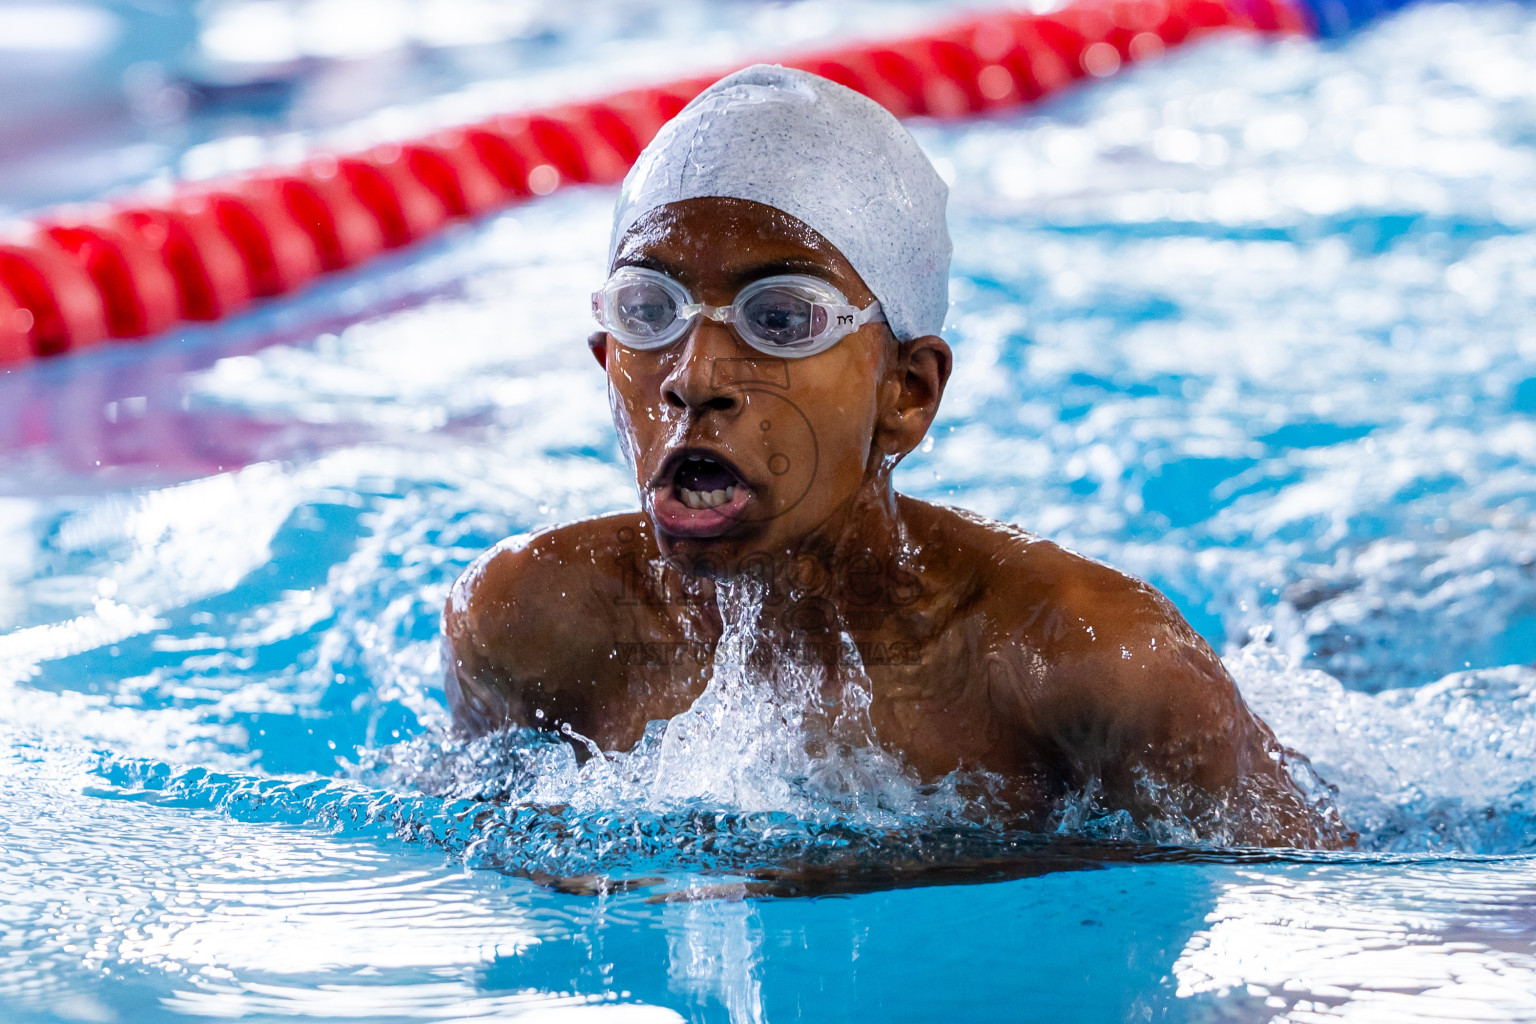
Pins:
x: 132, y: 271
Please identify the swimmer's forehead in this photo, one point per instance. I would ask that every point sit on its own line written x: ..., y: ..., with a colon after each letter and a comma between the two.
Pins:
x: 732, y: 242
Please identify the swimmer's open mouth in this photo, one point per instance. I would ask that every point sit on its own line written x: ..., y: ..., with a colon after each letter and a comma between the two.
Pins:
x: 698, y: 493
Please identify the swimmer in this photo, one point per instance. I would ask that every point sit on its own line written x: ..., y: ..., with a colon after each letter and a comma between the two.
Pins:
x: 778, y: 278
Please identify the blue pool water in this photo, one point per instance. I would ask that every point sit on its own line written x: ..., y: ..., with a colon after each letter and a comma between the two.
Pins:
x: 1254, y: 323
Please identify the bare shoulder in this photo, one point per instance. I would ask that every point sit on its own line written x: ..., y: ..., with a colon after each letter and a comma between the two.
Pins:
x: 538, y: 580
x: 535, y: 610
x: 1100, y: 667
x: 1061, y: 592
x: 1094, y: 638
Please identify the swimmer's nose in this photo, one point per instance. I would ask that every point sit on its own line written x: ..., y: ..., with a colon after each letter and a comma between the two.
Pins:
x: 693, y: 383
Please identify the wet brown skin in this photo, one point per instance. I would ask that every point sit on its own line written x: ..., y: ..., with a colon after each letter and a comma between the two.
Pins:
x: 985, y: 647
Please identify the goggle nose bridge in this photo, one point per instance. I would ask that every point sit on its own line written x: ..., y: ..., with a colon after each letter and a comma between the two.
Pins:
x: 719, y: 314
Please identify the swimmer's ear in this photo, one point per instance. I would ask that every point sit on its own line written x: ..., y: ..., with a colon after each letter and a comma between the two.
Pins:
x: 597, y: 341
x: 920, y: 371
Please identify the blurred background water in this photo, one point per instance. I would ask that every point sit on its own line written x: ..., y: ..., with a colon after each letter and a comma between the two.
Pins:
x: 1254, y: 322
x: 114, y: 94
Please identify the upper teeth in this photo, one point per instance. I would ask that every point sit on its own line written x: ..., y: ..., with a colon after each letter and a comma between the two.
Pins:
x: 706, y: 499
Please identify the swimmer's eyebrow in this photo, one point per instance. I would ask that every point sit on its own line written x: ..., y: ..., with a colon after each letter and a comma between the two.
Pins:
x: 647, y: 263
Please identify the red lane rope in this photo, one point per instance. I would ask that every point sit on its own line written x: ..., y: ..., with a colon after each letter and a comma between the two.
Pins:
x: 210, y: 249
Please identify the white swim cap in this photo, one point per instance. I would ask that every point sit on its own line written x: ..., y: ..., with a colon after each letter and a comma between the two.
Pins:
x: 822, y: 153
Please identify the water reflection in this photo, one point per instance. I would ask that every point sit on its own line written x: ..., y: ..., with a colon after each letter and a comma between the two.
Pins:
x: 231, y: 918
x: 228, y: 919
x: 1430, y: 943
x: 715, y: 953
x: 443, y: 1001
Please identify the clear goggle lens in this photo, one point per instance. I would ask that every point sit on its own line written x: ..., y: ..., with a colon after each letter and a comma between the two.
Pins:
x: 788, y: 315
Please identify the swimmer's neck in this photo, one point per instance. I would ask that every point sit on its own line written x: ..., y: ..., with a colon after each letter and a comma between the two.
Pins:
x: 868, y: 522
x: 866, y: 529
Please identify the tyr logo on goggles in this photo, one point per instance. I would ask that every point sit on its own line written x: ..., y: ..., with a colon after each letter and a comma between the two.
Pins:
x: 789, y: 315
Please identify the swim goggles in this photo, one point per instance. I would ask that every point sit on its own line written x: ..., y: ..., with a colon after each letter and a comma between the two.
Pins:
x: 789, y: 315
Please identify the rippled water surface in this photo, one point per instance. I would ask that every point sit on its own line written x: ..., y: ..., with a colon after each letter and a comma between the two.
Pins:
x: 1257, y: 322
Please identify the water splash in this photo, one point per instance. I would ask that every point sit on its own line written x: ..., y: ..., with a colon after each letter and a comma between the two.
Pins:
x: 1442, y: 767
x: 776, y: 753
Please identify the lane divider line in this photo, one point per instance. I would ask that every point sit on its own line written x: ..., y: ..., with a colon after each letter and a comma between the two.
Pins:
x: 133, y: 271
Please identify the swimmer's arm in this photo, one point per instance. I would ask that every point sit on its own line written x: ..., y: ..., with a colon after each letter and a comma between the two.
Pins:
x: 513, y: 641
x: 1147, y: 700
